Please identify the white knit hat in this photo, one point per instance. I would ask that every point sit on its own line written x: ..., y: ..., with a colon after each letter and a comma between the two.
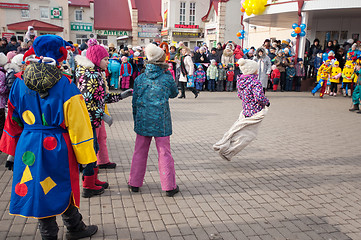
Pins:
x: 247, y: 66
x: 153, y: 52
x: 18, y: 59
x: 3, y: 59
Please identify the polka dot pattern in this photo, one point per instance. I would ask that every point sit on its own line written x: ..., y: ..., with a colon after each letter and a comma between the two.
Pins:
x: 21, y: 189
x: 50, y: 143
x: 28, y: 158
x: 29, y: 117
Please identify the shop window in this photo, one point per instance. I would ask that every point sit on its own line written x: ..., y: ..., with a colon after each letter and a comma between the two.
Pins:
x: 102, y: 39
x: 44, y: 12
x: 192, y: 13
x: 182, y: 13
x: 81, y: 38
x: 25, y: 13
x: 78, y: 15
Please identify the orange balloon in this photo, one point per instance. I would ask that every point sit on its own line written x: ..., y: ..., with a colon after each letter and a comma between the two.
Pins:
x: 298, y: 30
x: 243, y: 10
x: 238, y: 34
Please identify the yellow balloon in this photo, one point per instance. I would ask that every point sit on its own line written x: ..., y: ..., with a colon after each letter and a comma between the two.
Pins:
x: 249, y: 11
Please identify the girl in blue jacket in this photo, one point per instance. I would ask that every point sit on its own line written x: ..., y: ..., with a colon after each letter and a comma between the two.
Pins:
x: 152, y: 118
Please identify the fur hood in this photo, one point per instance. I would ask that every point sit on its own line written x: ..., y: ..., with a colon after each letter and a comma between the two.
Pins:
x: 261, y: 49
x: 228, y: 53
x: 13, y: 66
x: 84, y: 62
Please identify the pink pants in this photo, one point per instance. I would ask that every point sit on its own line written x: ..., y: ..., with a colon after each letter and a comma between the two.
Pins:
x: 102, y: 156
x: 165, y: 162
x: 125, y: 82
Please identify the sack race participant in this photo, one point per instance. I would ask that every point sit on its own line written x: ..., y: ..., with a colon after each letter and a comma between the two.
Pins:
x: 254, y: 103
x: 48, y: 131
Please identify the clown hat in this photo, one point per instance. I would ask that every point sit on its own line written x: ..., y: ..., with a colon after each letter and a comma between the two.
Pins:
x: 49, y: 46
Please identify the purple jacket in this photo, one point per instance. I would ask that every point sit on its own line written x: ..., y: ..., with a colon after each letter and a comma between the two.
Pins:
x: 4, y: 93
x: 250, y: 91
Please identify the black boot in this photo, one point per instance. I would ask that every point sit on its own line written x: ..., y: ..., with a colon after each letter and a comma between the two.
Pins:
x: 87, y: 231
x: 171, y: 193
x: 134, y: 189
x: 354, y: 108
x: 77, y: 229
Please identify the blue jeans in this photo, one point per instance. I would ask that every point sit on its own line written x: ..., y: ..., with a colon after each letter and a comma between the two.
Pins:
x: 89, y: 168
x: 199, y: 86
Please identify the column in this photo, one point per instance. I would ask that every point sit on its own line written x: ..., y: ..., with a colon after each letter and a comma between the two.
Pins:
x: 302, y: 43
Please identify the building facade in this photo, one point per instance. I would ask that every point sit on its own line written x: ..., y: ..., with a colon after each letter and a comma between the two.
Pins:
x: 81, y: 20
x: 182, y: 21
x: 47, y: 17
x: 222, y: 13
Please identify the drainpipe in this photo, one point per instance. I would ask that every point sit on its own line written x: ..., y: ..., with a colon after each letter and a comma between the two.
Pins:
x: 300, y: 5
x: 242, y: 28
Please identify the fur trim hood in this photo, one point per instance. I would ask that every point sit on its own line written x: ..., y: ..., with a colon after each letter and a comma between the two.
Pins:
x: 84, y: 62
x: 228, y: 52
x: 261, y: 49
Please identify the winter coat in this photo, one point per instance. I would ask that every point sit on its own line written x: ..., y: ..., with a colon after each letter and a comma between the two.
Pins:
x: 114, y: 68
x: 91, y: 84
x: 197, y: 58
x: 126, y: 69
x: 238, y: 53
x: 189, y: 66
x: 215, y: 57
x: 11, y: 70
x: 212, y: 72
x: 3, y: 89
x: 151, y: 112
x: 11, y: 47
x: 264, y: 67
x: 227, y: 57
x: 222, y: 74
x: 230, y: 75
x: 335, y: 74
x: 250, y: 91
x: 290, y: 72
x: 300, y: 71
x: 317, y: 62
x: 281, y: 63
x: 200, y: 76
x: 275, y: 74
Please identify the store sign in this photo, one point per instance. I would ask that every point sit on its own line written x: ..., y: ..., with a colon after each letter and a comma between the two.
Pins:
x: 211, y: 31
x: 56, y: 13
x: 7, y: 35
x: 76, y: 26
x: 149, y: 30
x: 186, y: 26
x: 112, y: 32
x: 164, y: 33
x: 14, y: 5
x: 185, y: 34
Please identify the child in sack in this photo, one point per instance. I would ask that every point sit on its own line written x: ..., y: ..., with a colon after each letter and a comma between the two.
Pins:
x: 245, y: 129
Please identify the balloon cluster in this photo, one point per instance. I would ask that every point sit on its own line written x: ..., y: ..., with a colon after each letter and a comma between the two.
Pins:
x: 253, y: 6
x: 240, y: 34
x: 298, y: 30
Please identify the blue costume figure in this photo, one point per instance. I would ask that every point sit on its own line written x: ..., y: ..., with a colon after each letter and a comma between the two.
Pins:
x: 48, y: 131
x: 114, y: 70
x: 323, y: 76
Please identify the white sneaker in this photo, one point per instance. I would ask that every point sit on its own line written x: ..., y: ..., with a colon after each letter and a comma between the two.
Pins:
x: 344, y: 92
x: 334, y: 94
x: 331, y: 93
x: 349, y: 92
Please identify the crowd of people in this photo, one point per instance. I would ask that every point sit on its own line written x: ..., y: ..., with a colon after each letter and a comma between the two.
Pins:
x: 50, y: 133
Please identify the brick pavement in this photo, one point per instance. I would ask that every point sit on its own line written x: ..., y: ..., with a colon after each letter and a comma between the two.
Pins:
x: 299, y: 180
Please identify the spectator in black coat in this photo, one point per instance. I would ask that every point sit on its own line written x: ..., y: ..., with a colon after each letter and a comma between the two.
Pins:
x: 13, y: 44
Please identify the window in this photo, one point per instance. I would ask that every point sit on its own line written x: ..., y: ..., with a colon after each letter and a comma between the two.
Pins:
x: 25, y: 13
x: 102, y: 39
x: 192, y: 13
x: 182, y: 15
x: 81, y: 38
x: 44, y: 12
x: 78, y: 15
